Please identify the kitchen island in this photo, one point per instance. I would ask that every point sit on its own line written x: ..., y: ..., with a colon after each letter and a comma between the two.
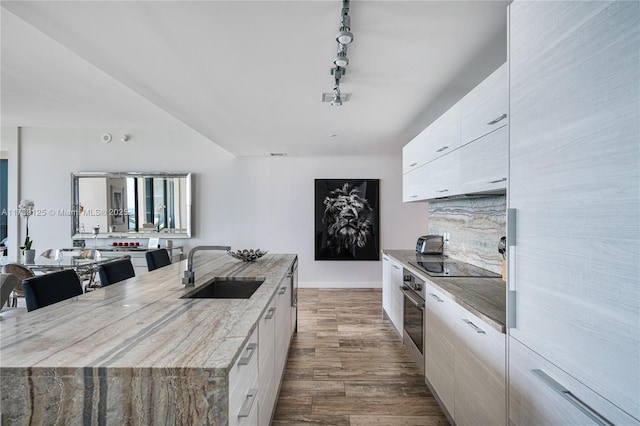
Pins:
x: 136, y: 351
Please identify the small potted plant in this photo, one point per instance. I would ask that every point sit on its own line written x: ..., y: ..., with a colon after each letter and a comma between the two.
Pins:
x: 25, y: 209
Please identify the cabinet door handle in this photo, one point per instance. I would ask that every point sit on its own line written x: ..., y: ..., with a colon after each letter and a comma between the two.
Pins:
x: 475, y: 327
x: 571, y: 398
x: 512, y: 321
x: 497, y: 181
x: 386, y: 259
x: 396, y: 267
x: 494, y: 121
x: 442, y: 149
x: 283, y: 290
x: 413, y: 196
x: 413, y: 164
x: 418, y: 304
x: 270, y: 313
x: 251, y: 348
x: 248, y: 403
x: 443, y: 190
x: 435, y: 296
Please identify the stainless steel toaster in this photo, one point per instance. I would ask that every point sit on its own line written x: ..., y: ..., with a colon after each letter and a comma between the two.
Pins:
x: 430, y: 244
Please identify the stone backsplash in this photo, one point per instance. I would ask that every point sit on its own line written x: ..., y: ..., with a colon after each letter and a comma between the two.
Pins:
x: 475, y: 225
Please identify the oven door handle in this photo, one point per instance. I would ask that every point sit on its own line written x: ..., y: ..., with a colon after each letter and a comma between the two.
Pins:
x: 409, y: 296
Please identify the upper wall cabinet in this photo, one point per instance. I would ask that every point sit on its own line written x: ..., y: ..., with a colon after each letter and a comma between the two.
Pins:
x: 486, y: 107
x: 465, y: 150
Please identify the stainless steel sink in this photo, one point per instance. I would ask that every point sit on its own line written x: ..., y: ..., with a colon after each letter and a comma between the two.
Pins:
x: 226, y: 288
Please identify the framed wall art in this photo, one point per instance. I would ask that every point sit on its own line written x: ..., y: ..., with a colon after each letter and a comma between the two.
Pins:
x: 347, y: 219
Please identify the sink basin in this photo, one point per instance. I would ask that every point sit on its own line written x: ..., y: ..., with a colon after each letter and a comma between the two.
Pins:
x: 227, y: 288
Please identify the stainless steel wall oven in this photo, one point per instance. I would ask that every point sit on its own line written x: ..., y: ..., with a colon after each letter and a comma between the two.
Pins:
x: 413, y: 323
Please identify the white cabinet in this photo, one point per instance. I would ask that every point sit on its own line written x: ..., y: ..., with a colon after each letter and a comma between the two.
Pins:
x: 243, y: 385
x: 574, y: 186
x: 440, y: 345
x: 542, y: 394
x: 444, y: 134
x: 414, y: 154
x: 444, y: 176
x: 283, y: 325
x: 459, y: 152
x: 464, y: 362
x: 392, y: 299
x: 267, y: 380
x: 485, y: 108
x: 484, y: 163
x: 480, y: 372
x: 415, y: 184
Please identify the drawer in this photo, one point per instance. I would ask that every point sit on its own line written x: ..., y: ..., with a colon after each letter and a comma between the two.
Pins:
x: 542, y: 394
x: 243, y: 384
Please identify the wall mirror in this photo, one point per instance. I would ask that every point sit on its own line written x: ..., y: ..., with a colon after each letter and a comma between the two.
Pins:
x: 130, y: 204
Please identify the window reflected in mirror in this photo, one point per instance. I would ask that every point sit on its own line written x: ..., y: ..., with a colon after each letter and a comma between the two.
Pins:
x: 129, y: 204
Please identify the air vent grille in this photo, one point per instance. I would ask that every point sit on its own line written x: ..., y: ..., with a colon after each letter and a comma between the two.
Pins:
x: 328, y: 96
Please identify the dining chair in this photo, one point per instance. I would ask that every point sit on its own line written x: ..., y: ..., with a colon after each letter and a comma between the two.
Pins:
x: 7, y: 283
x: 47, y: 289
x: 157, y: 259
x: 116, y: 271
x: 22, y: 272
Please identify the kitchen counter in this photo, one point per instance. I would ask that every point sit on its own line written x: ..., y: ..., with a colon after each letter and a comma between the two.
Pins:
x: 134, y: 352
x: 484, y: 297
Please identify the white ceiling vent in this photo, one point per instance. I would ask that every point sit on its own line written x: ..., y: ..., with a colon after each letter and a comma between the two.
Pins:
x: 328, y: 96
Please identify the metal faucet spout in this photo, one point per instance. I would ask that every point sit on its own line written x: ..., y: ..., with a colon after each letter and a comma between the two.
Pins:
x: 189, y: 275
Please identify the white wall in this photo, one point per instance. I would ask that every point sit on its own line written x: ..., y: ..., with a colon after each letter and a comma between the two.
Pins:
x: 262, y: 203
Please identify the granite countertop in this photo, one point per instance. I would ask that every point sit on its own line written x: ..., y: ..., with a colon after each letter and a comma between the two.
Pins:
x: 484, y: 297
x: 143, y: 322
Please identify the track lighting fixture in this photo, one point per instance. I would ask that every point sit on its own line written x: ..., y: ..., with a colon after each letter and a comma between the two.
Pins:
x: 343, y: 38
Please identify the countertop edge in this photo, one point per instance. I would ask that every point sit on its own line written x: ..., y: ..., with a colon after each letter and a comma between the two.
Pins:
x: 496, y: 323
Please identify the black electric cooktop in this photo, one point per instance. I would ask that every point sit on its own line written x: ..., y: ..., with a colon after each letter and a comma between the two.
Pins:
x: 452, y: 268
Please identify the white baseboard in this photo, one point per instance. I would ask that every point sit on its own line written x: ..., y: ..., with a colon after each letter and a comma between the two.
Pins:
x: 372, y: 284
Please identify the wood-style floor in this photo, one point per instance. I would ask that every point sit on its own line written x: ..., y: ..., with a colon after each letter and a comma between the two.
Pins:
x: 347, y: 366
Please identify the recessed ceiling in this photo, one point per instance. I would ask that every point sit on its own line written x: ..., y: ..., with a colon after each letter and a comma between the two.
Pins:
x: 248, y: 75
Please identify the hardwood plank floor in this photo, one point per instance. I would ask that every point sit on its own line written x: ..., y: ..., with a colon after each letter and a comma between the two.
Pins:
x: 347, y: 366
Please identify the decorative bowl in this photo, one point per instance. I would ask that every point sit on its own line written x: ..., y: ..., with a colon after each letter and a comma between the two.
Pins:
x: 247, y: 255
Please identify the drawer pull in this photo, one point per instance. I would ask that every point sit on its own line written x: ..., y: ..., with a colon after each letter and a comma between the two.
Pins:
x: 248, y: 403
x: 283, y: 290
x: 571, y: 398
x: 251, y: 348
x: 270, y: 313
x: 435, y: 296
x: 413, y: 164
x: 492, y: 122
x: 498, y: 181
x: 443, y: 190
x: 475, y: 327
x: 442, y: 149
x: 413, y: 196
x: 396, y: 267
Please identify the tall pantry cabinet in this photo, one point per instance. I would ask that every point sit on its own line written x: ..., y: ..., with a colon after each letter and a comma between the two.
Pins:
x: 574, y: 212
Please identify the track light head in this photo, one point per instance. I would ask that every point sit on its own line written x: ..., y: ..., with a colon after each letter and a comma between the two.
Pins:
x: 341, y: 60
x: 344, y: 36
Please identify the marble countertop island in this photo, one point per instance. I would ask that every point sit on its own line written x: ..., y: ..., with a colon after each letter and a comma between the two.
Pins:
x: 484, y: 297
x: 107, y: 356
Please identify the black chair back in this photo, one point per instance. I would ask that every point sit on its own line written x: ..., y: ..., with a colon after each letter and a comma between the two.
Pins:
x: 157, y: 259
x: 116, y: 271
x: 47, y: 289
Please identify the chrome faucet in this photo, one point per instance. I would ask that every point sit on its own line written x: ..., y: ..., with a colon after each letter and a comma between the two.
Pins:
x: 189, y: 277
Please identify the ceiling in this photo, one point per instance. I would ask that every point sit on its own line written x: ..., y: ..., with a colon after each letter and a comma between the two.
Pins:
x: 248, y: 75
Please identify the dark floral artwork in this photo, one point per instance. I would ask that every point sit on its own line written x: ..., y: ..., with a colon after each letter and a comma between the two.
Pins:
x: 346, y: 219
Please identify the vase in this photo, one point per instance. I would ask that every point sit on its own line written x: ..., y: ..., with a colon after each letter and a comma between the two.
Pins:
x: 29, y: 256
